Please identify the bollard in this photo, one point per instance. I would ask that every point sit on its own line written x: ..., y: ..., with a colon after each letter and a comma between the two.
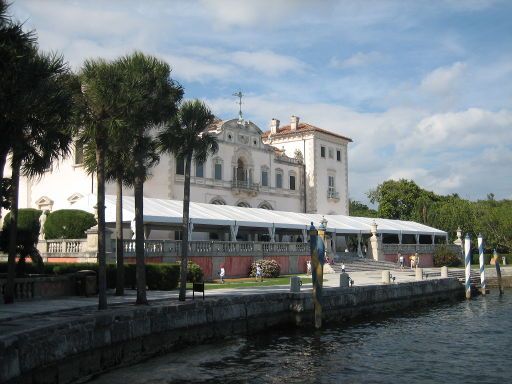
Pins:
x: 444, y: 272
x: 498, y: 272
x: 481, y: 261
x: 295, y: 284
x: 344, y: 280
x: 385, y: 277
x: 419, y: 274
x: 467, y: 259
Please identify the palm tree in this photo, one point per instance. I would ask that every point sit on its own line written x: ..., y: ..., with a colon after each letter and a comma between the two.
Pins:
x: 100, y: 120
x: 150, y: 99
x: 16, y: 50
x: 186, y: 137
x: 38, y: 130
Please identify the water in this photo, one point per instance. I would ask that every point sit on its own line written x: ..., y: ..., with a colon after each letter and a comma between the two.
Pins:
x: 465, y: 342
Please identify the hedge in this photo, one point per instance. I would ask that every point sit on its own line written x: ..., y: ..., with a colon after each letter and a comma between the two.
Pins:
x: 26, y: 238
x: 68, y: 224
x: 162, y: 277
x: 444, y: 256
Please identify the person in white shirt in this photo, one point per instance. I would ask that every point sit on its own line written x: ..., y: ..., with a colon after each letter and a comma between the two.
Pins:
x: 222, y: 273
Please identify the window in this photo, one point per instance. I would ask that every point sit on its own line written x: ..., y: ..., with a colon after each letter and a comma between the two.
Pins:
x: 218, y: 170
x: 331, y: 153
x: 292, y: 182
x: 264, y: 178
x: 279, y: 180
x: 199, y: 170
x: 180, y: 166
x: 79, y: 153
x: 322, y: 151
x: 338, y: 155
x: 331, y: 182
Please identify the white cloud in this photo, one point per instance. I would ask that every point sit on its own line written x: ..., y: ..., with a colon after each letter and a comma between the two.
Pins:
x: 358, y: 59
x: 443, y: 79
x: 266, y: 62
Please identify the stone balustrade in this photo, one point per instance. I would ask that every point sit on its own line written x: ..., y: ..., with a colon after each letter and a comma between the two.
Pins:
x: 413, y: 248
x: 62, y: 246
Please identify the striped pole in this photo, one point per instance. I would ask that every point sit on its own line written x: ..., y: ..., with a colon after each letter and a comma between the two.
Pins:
x: 467, y: 249
x: 481, y: 259
x: 498, y: 271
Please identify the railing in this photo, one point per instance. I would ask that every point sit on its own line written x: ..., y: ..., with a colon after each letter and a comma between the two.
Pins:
x: 332, y: 194
x: 245, y: 184
x: 65, y: 246
x: 420, y: 248
x: 215, y: 248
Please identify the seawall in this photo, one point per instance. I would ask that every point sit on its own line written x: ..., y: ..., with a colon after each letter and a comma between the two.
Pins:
x: 70, y: 349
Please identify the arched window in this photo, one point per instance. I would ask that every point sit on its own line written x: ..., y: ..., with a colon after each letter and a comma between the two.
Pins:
x: 264, y: 176
x: 218, y: 201
x: 243, y: 204
x: 279, y: 178
x: 266, y: 205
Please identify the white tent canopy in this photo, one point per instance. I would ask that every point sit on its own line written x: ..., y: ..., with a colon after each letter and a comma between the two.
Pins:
x: 162, y: 212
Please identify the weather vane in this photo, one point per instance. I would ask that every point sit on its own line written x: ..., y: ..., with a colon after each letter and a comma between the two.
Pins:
x: 239, y: 94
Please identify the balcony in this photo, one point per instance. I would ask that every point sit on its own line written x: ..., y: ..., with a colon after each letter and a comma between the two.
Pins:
x: 238, y: 186
x: 332, y: 194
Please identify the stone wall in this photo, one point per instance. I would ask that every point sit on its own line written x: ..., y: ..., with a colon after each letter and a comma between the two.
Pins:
x: 66, y: 350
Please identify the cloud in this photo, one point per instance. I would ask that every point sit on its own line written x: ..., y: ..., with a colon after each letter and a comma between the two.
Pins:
x: 443, y: 79
x: 358, y: 59
x: 267, y: 62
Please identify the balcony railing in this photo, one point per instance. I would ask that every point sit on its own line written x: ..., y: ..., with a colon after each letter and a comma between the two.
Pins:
x: 245, y: 184
x: 332, y: 194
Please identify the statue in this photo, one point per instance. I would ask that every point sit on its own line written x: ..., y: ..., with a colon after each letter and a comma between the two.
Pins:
x: 42, y: 221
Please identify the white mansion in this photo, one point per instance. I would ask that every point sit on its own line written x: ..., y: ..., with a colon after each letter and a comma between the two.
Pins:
x: 297, y: 168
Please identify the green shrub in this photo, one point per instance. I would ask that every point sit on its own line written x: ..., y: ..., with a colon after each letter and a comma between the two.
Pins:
x: 444, y: 256
x: 68, y: 224
x: 26, y: 238
x: 270, y: 268
x: 194, y: 273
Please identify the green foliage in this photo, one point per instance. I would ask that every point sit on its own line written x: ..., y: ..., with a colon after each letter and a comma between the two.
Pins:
x: 270, y: 268
x: 68, y: 224
x: 26, y: 238
x: 194, y: 272
x: 162, y: 277
x: 444, y: 256
x: 359, y: 209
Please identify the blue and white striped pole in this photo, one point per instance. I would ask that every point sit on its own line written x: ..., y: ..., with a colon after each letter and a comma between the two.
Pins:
x: 467, y: 249
x: 481, y: 259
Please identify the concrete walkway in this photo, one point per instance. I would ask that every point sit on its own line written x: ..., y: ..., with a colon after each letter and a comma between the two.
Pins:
x: 50, y: 308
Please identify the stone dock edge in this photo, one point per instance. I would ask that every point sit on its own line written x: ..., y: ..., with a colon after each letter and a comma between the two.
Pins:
x: 74, y: 349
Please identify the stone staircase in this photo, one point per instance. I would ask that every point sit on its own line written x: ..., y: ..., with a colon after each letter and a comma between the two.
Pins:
x: 357, y: 264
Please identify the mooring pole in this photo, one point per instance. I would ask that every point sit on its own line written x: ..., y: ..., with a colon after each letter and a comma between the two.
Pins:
x: 467, y: 249
x: 481, y: 260
x: 498, y: 271
x: 317, y: 268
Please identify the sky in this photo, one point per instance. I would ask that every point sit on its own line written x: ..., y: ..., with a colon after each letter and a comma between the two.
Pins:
x: 423, y: 88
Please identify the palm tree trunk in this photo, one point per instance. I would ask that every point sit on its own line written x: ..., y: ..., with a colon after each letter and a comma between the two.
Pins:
x: 185, y: 239
x: 3, y: 159
x: 119, y: 239
x: 138, y: 191
x: 102, y: 257
x: 11, y: 260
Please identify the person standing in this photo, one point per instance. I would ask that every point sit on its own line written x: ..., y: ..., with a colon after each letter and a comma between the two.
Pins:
x: 222, y: 273
x: 259, y: 273
x: 401, y: 260
x: 343, y: 268
x: 308, y: 267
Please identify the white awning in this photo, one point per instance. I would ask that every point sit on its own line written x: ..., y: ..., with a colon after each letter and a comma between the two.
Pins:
x: 162, y: 211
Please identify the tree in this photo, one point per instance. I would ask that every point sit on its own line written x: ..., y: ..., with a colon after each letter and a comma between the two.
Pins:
x: 187, y: 137
x: 149, y: 98
x: 38, y: 131
x: 356, y: 208
x: 396, y: 199
x: 16, y: 49
x: 100, y: 119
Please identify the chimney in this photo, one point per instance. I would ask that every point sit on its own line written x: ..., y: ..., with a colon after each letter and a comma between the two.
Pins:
x: 274, y: 126
x: 294, y: 123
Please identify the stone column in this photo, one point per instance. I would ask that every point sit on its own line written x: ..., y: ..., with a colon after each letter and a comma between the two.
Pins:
x: 375, y: 246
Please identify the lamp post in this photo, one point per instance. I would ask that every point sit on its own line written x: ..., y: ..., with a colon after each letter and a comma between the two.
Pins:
x: 317, y: 248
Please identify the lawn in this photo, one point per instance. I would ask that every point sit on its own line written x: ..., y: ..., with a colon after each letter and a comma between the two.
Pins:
x: 249, y: 282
